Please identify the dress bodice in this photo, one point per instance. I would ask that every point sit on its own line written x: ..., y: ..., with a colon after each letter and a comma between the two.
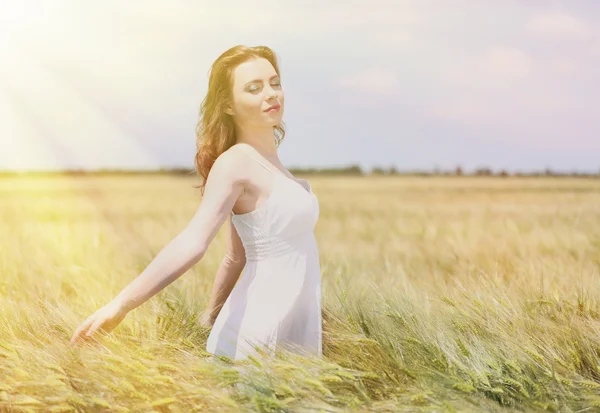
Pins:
x: 288, y: 215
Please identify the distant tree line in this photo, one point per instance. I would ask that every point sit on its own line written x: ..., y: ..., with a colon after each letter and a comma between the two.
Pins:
x: 481, y: 171
x: 350, y: 170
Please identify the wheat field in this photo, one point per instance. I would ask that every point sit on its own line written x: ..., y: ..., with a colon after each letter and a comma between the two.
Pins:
x: 440, y: 294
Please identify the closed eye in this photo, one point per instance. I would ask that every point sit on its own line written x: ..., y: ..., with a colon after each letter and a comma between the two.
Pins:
x: 257, y: 89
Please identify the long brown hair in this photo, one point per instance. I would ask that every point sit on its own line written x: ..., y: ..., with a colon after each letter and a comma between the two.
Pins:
x: 215, y: 132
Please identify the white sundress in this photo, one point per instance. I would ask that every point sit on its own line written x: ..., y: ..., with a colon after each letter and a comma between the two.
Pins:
x: 277, y: 300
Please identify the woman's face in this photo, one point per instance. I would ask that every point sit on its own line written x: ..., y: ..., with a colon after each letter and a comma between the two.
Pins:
x: 256, y: 87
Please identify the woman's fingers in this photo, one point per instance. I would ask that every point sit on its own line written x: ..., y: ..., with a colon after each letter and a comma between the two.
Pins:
x: 95, y: 326
x: 83, y: 328
x: 105, y: 319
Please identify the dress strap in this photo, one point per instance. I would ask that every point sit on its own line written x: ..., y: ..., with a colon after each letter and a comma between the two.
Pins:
x: 259, y: 161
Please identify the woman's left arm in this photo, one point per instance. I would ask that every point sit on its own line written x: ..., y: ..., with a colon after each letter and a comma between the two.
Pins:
x: 227, y: 275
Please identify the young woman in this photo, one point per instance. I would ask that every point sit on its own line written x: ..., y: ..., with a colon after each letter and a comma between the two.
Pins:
x: 277, y: 301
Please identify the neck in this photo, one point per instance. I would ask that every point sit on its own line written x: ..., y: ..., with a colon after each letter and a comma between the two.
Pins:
x: 263, y: 139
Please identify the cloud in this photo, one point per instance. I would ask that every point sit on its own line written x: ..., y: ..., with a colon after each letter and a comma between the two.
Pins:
x: 503, y: 85
x: 461, y: 108
x: 505, y: 62
x: 559, y: 25
x: 496, y: 69
x: 374, y: 80
x: 563, y: 66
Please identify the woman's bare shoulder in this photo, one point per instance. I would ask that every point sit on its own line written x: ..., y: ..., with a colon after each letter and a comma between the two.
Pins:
x: 232, y: 164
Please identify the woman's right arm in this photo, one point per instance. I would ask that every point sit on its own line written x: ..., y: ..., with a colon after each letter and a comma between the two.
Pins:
x: 224, y: 185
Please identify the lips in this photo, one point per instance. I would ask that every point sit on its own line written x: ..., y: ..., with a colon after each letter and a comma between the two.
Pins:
x: 273, y: 107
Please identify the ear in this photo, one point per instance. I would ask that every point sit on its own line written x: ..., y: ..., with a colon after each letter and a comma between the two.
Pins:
x: 229, y: 112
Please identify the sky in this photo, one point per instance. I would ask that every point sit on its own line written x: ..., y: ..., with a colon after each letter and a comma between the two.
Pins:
x: 412, y: 84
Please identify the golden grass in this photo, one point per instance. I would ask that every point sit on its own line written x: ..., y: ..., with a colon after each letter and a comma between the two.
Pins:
x: 439, y: 294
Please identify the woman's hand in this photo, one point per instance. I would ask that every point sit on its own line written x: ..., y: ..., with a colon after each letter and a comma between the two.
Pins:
x: 206, y: 319
x: 106, y: 319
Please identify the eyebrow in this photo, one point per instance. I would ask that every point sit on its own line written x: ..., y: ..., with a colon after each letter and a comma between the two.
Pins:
x: 258, y: 80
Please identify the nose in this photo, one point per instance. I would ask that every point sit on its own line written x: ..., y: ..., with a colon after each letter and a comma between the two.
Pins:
x: 272, y: 93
